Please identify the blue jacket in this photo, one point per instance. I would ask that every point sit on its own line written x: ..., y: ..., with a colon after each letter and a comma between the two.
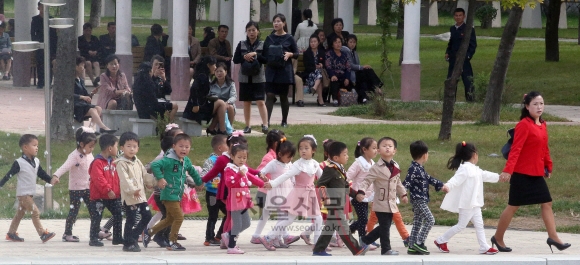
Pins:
x: 455, y: 42
x: 418, y: 181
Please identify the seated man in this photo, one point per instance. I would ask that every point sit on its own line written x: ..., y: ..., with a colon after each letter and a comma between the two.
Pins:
x: 108, y: 43
x: 220, y: 47
x: 156, y: 43
x: 5, y: 52
x: 162, y: 85
x: 89, y: 47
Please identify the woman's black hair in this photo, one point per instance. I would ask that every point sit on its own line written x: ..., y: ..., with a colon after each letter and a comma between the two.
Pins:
x: 237, y: 148
x: 272, y: 138
x: 352, y: 37
x: 332, y: 39
x: 307, y: 14
x: 335, y: 149
x: 325, y: 145
x: 285, y: 147
x: 143, y: 72
x: 109, y: 59
x: 526, y: 102
x: 156, y: 30
x: 225, y: 67
x: 283, y: 19
x: 310, y: 140
x: 463, y: 152
x: 364, y: 143
x: 84, y: 137
x: 313, y: 36
x: 209, y: 34
x: 336, y: 20
x: 201, y: 67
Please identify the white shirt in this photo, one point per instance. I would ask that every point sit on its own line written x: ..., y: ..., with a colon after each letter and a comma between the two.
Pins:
x: 466, y: 187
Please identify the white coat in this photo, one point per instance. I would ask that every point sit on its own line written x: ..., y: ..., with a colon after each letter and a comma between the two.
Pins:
x: 466, y: 187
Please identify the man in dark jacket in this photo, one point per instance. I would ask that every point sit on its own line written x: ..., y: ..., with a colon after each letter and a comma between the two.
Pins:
x: 457, y: 34
x: 37, y: 34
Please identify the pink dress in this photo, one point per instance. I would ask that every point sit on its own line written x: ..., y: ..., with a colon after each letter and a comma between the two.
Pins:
x: 271, y: 155
x: 238, y: 184
x: 302, y: 200
x: 276, y: 196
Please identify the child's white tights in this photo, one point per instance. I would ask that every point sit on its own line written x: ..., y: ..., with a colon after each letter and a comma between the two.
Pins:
x: 466, y: 215
x: 262, y: 223
x: 282, y: 226
x: 156, y: 218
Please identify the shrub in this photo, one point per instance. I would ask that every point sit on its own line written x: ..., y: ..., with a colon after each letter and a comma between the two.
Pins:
x: 486, y: 14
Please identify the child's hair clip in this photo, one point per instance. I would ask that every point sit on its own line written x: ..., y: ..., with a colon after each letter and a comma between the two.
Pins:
x: 87, y: 129
x: 311, y: 137
x: 236, y: 144
x: 237, y: 133
x: 170, y: 126
x: 358, y: 143
x: 463, y: 143
x: 325, y: 140
x: 283, y: 139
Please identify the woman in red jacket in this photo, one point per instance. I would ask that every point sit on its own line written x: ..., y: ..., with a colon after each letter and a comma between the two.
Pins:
x: 528, y: 165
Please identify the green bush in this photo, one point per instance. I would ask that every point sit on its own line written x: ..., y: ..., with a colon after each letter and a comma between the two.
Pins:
x: 486, y: 14
x: 480, y: 82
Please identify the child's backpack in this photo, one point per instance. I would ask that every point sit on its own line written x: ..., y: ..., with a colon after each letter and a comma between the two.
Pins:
x: 276, y: 53
x: 505, y: 150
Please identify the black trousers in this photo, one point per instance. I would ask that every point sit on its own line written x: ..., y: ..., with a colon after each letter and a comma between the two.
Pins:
x: 132, y: 232
x: 335, y: 222
x: 214, y: 206
x: 366, y: 81
x: 39, y: 54
x: 381, y: 231
x: 96, y: 208
x: 466, y: 76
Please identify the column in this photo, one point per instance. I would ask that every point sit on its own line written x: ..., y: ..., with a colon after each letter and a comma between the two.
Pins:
x: 227, y: 18
x: 81, y: 18
x: 411, y: 66
x: 108, y: 8
x: 123, y: 38
x: 179, y: 57
x: 238, y: 33
x: 496, y: 23
x: 463, y: 4
x: 532, y: 18
x: 434, y: 14
x: 214, y: 8
x: 170, y: 19
x: 312, y: 5
x: 336, y: 8
x: 273, y: 10
x: 160, y: 9
x: 563, y: 23
x: 256, y: 8
x: 346, y: 12
x: 23, y: 13
x: 286, y: 9
x: 368, y: 12
x: 201, y: 12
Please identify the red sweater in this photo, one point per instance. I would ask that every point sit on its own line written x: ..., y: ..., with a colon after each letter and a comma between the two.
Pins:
x: 529, y: 153
x: 218, y: 168
x: 104, y: 178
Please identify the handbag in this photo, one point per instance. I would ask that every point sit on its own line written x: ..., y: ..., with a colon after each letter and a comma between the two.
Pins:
x: 250, y: 68
x: 505, y: 150
x: 125, y: 103
x: 347, y: 98
x: 325, y: 78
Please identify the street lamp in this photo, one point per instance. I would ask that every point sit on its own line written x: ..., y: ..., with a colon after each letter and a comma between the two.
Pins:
x: 28, y: 46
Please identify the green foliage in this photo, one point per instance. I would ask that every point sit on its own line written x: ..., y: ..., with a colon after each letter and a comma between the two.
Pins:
x: 160, y: 122
x: 485, y: 14
x: 480, y: 83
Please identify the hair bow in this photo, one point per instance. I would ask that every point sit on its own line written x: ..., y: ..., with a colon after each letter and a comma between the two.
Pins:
x: 170, y: 126
x: 311, y: 137
x: 237, y: 133
x: 325, y: 140
x: 283, y: 139
x: 236, y: 144
x: 358, y: 143
x: 463, y: 143
x: 87, y: 129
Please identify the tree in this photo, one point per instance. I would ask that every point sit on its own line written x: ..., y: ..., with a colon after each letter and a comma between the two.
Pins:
x: 553, y: 19
x: 265, y: 11
x: 451, y: 83
x: 62, y: 105
x: 192, y: 15
x: 1, y: 6
x: 328, y: 16
x: 95, y: 17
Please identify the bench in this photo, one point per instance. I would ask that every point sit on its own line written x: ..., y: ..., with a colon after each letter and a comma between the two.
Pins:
x: 138, y: 55
x: 119, y: 120
x: 128, y: 120
x: 299, y: 70
x: 190, y: 127
x: 143, y: 127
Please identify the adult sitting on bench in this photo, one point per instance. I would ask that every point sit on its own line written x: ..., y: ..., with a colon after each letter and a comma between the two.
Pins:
x: 162, y: 85
x: 144, y: 96
x: 115, y: 91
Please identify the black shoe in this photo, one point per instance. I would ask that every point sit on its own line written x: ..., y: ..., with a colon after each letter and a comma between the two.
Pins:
x: 321, y: 104
x: 552, y: 242
x: 175, y: 247
x: 284, y: 124
x: 117, y: 242
x: 132, y: 248
x: 265, y: 129
x: 96, y: 243
x: 96, y: 81
x: 210, y: 132
x: 500, y: 248
x: 248, y: 129
x: 160, y: 241
x: 180, y: 237
x: 101, y: 130
x: 14, y: 237
x: 300, y: 103
x: 47, y: 236
x: 6, y: 77
x: 39, y: 87
x: 421, y: 249
x: 221, y: 132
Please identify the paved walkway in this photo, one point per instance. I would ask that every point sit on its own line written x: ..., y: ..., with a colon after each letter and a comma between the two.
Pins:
x: 529, y: 248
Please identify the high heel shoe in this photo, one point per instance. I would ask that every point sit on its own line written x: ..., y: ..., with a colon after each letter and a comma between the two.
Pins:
x: 500, y: 248
x: 210, y: 132
x: 321, y: 104
x: 552, y: 242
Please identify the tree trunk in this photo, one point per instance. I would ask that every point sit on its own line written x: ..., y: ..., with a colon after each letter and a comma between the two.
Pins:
x: 95, y: 17
x: 265, y: 11
x: 401, y: 21
x: 64, y: 77
x: 1, y: 6
x: 552, y: 21
x: 578, y: 24
x: 451, y: 83
x: 192, y: 15
x: 328, y: 16
x: 492, y: 103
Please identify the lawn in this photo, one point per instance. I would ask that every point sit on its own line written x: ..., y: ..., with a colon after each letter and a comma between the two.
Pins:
x: 488, y: 139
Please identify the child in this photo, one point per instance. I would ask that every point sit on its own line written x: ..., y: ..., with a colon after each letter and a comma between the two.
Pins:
x: 238, y: 181
x: 365, y: 151
x: 214, y: 206
x: 285, y: 151
x: 334, y: 189
x: 417, y: 182
x: 466, y: 196
x: 105, y: 191
x: 133, y: 178
x: 301, y: 200
x: 384, y: 176
x: 77, y: 164
x: 171, y: 179
x: 26, y: 169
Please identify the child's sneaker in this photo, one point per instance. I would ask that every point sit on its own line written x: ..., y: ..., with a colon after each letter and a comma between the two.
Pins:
x: 491, y: 251
x: 212, y: 242
x: 321, y: 253
x: 421, y: 249
x: 105, y: 234
x: 235, y: 250
x: 132, y: 248
x: 225, y: 241
x: 406, y: 242
x: 47, y: 236
x: 391, y: 253
x: 96, y: 243
x: 14, y: 237
x: 175, y: 247
x: 69, y: 238
x: 376, y: 244
x: 279, y: 243
x: 267, y: 243
x: 255, y: 240
x: 306, y: 239
x: 146, y: 237
x: 180, y: 237
x: 442, y: 247
x: 363, y: 250
x: 290, y: 239
x: 371, y: 245
x: 160, y: 240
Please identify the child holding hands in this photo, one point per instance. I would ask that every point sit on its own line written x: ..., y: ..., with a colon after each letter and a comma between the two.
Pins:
x: 466, y: 196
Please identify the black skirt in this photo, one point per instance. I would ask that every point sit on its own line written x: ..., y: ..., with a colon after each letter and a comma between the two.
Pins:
x: 252, y: 91
x: 80, y: 111
x: 526, y: 190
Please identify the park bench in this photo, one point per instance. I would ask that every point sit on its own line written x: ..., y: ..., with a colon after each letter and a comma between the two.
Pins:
x: 128, y: 120
x: 299, y: 71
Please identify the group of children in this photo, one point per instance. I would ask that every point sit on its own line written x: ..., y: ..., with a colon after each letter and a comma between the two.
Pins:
x: 323, y: 193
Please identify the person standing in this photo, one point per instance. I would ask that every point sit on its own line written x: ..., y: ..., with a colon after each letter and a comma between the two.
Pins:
x: 37, y: 34
x: 457, y: 34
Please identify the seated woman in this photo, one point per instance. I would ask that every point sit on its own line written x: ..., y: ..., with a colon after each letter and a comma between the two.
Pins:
x: 194, y: 51
x: 144, y: 95
x: 337, y: 26
x: 162, y: 85
x: 338, y: 67
x: 363, y: 77
x: 5, y: 52
x: 313, y: 65
x: 322, y: 38
x: 208, y: 34
x: 115, y: 93
x: 83, y: 108
x: 89, y: 47
x: 199, y: 106
x: 224, y: 88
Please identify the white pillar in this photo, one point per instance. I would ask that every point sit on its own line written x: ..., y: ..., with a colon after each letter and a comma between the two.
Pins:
x: 170, y: 15
x: 227, y: 18
x: 201, y: 13
x: 23, y: 12
x: 285, y: 8
x: 532, y: 18
x: 123, y: 38
x: 463, y: 4
x: 411, y: 66
x: 256, y: 8
x: 214, y: 10
x: 368, y: 12
x: 434, y: 13
x: 563, y: 23
x: 108, y: 8
x: 346, y: 12
x: 496, y: 23
x: 81, y: 18
x: 160, y: 9
x: 238, y: 33
x: 312, y: 5
x: 179, y: 58
x: 336, y: 8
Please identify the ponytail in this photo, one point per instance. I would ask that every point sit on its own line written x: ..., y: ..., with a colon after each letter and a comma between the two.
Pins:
x: 307, y: 13
x: 463, y: 152
x: 363, y: 143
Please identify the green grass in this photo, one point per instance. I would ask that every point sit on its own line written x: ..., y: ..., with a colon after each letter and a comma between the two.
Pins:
x: 488, y: 139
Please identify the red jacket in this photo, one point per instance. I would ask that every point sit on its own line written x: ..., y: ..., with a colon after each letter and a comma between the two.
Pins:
x: 219, y: 166
x: 238, y: 186
x: 104, y: 178
x: 529, y: 153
